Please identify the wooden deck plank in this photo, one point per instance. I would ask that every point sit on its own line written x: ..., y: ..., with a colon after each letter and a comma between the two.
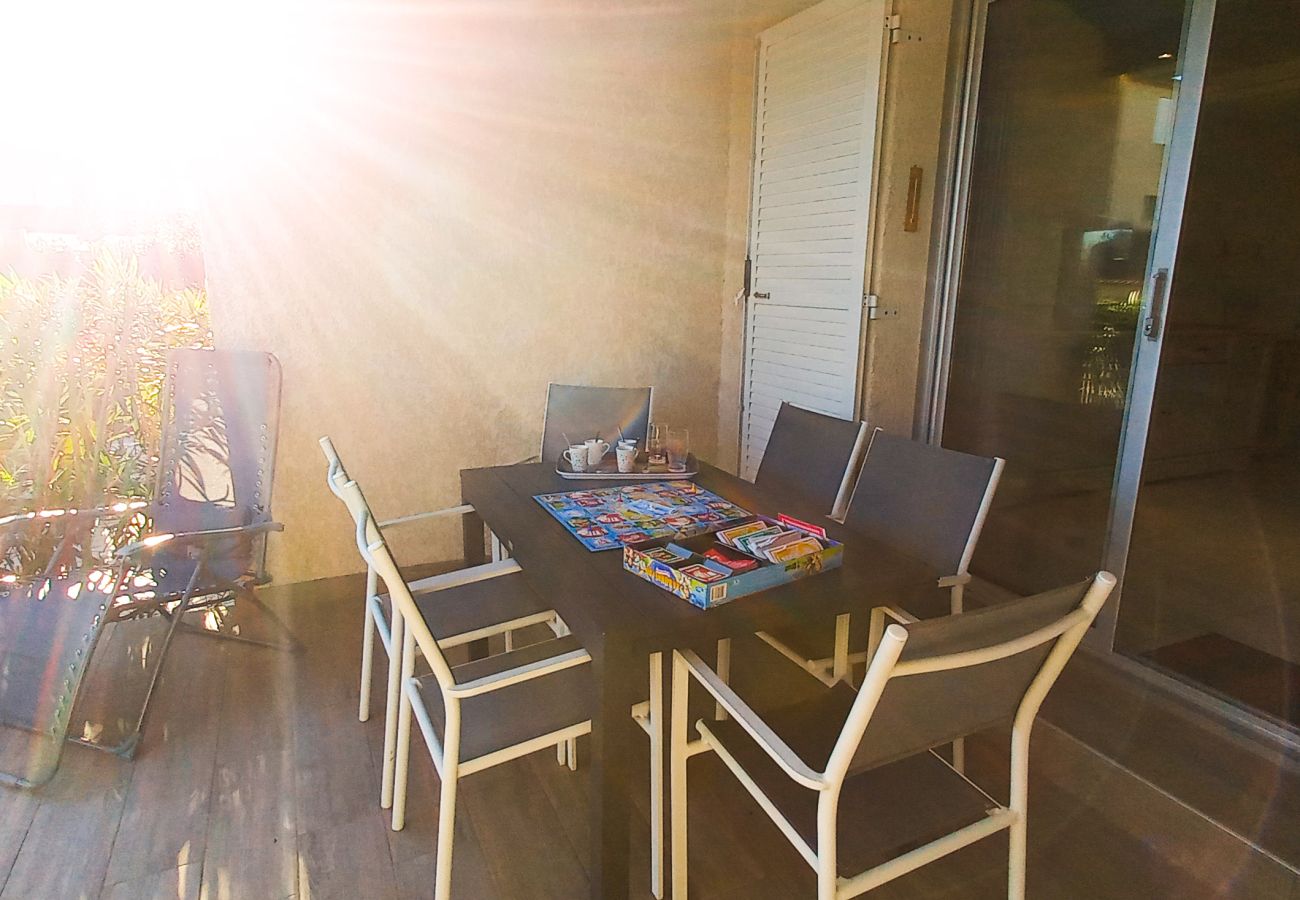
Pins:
x: 66, y: 850
x: 347, y: 861
x: 165, y: 819
x: 180, y: 883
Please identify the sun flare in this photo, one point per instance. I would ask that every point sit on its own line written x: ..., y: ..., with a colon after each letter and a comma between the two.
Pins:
x: 125, y: 104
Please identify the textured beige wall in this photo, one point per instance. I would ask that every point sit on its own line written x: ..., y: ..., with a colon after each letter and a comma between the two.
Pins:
x: 912, y: 120
x: 461, y: 203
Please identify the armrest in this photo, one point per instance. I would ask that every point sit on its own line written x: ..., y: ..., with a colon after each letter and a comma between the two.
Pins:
x: 432, y: 514
x: 153, y: 541
x: 760, y: 731
x: 519, y: 674
x: 954, y: 580
x: 71, y: 513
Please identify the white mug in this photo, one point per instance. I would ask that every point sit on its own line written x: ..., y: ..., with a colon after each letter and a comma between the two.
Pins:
x: 596, y: 450
x: 626, y: 457
x: 577, y: 456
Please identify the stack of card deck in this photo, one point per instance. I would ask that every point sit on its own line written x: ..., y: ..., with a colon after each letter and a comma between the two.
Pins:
x: 775, y: 543
x: 757, y: 554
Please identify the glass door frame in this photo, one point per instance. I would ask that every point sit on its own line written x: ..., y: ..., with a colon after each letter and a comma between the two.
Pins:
x: 964, y: 84
x: 951, y: 202
x: 1193, y: 54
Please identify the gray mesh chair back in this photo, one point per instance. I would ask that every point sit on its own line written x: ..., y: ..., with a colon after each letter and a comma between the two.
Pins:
x: 582, y: 411
x: 926, y: 501
x: 918, y: 712
x: 812, y: 455
x: 220, y: 422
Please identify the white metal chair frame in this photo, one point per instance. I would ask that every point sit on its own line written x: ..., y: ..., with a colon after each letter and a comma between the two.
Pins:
x: 376, y: 623
x: 839, y: 666
x: 649, y: 714
x: 410, y: 628
x: 1067, y: 632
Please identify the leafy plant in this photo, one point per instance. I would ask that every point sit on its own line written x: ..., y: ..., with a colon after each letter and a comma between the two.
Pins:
x: 81, y: 374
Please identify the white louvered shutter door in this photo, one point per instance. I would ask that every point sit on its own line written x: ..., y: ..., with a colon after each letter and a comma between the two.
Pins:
x: 819, y: 84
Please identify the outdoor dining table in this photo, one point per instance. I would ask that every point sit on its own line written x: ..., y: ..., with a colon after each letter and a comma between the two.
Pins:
x: 621, y: 619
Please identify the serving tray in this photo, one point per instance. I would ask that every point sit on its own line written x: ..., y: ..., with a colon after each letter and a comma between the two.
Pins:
x: 608, y: 470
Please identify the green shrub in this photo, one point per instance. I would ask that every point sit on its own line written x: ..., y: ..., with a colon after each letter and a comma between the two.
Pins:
x: 81, y: 373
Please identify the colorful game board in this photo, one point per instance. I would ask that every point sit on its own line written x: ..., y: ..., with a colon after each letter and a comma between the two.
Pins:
x: 611, y: 517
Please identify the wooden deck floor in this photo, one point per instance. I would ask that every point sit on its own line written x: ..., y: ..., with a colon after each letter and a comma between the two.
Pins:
x: 255, y: 780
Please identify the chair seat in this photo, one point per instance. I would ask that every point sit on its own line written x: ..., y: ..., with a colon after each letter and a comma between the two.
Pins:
x: 511, y: 715
x: 815, y: 638
x: 884, y: 811
x: 467, y: 607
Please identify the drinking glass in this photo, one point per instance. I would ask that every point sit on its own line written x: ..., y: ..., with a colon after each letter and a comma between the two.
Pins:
x: 678, y: 445
x: 654, y: 446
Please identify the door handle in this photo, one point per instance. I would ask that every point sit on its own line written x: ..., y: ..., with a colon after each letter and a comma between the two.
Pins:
x: 1155, y: 320
x: 762, y: 295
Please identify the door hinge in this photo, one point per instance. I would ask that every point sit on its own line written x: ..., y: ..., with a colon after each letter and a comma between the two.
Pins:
x: 871, y: 303
x: 896, y: 33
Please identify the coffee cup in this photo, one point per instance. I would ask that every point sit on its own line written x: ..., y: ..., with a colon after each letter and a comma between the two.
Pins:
x: 626, y: 457
x: 577, y: 457
x: 596, y: 450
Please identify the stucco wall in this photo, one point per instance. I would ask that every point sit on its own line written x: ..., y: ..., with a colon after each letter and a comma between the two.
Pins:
x: 461, y: 203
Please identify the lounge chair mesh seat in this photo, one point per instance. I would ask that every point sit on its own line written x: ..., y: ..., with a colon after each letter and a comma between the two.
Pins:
x: 212, y: 510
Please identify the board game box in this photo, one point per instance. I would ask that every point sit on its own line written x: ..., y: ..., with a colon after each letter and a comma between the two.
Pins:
x: 748, y: 556
x: 611, y: 517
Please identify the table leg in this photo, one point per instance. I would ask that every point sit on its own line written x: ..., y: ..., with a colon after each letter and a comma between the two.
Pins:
x: 618, y: 675
x: 472, y: 536
x: 472, y: 530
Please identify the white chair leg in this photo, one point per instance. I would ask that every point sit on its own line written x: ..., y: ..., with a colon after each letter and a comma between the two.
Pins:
x: 875, y: 632
x: 571, y: 751
x: 677, y: 777
x: 401, y: 767
x: 498, y: 552
x: 840, y: 669
x: 959, y: 745
x: 656, y: 716
x: 446, y: 835
x: 367, y: 650
x: 724, y: 672
x: 396, y: 639
x: 562, y: 753
x: 1019, y: 803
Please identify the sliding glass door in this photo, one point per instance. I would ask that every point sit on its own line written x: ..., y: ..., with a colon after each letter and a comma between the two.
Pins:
x: 1212, y: 577
x: 1124, y: 324
x: 1073, y: 114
